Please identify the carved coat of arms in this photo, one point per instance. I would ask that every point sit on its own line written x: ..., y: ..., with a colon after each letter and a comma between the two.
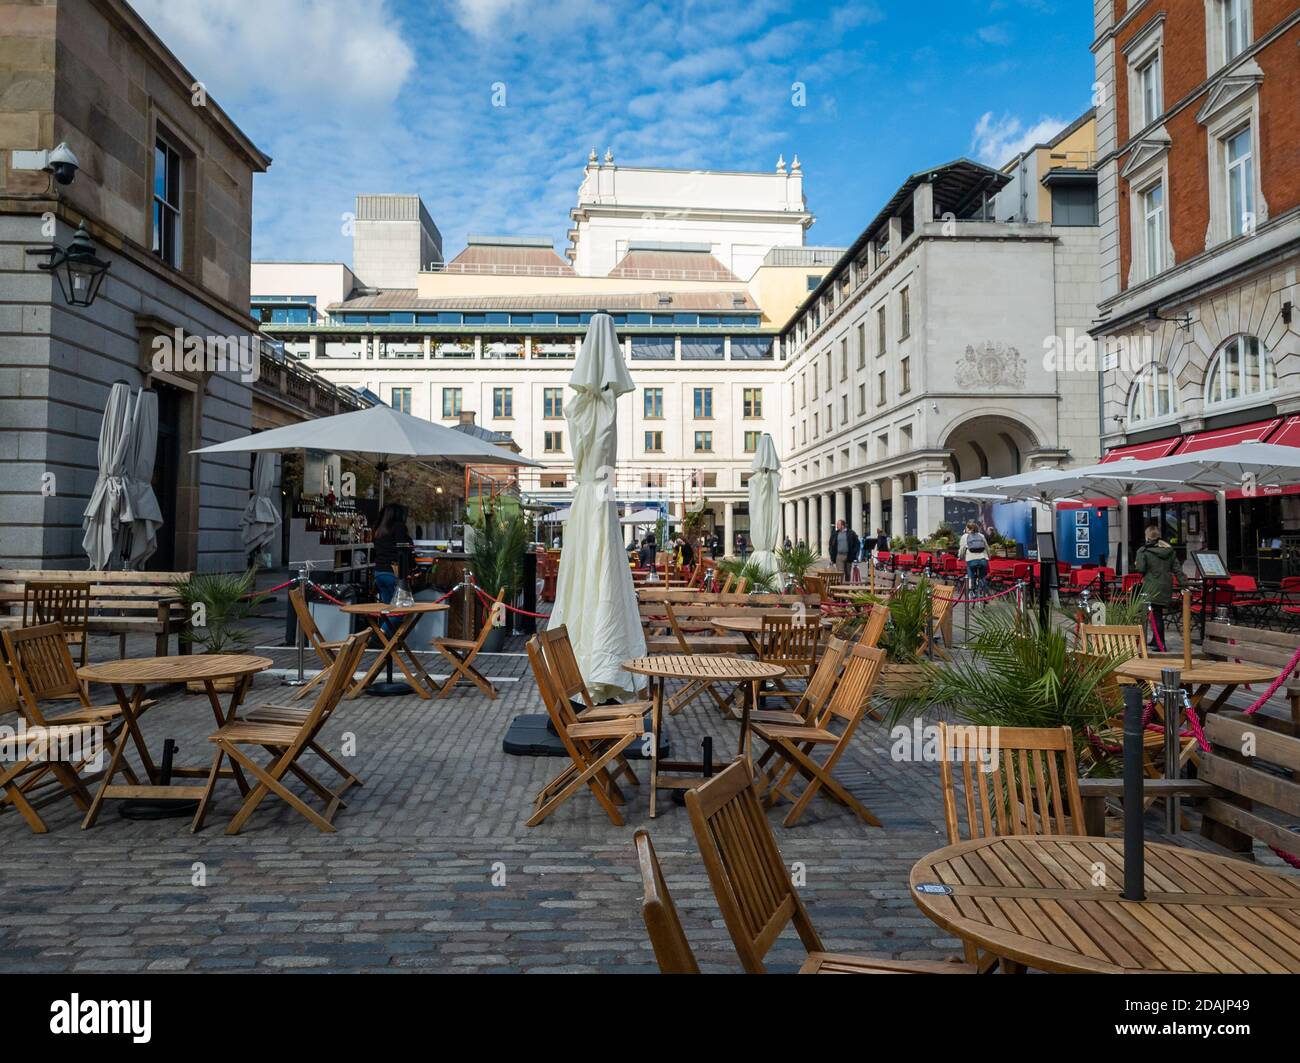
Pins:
x: 990, y: 365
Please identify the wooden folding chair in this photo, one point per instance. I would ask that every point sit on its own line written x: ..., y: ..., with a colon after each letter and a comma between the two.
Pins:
x: 672, y: 951
x: 817, y: 585
x: 791, y: 642
x: 793, y: 743
x: 24, y: 764
x: 1014, y: 780
x: 327, y: 651
x: 942, y: 598
x: 567, y: 679
x: 752, y: 884
x: 874, y: 627
x: 296, y: 716
x: 286, y: 742
x: 595, y: 747
x: 460, y: 654
x: 60, y: 602
x: 731, y: 579
x: 43, y: 670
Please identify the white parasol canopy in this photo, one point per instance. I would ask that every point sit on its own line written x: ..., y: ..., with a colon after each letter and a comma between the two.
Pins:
x: 261, y: 516
x: 142, y: 511
x: 380, y: 436
x: 765, y: 505
x: 594, y: 596
x: 102, y: 518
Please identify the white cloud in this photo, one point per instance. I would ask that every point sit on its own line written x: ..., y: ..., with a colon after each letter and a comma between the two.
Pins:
x: 852, y: 15
x: 997, y: 34
x: 329, y: 53
x: 996, y: 141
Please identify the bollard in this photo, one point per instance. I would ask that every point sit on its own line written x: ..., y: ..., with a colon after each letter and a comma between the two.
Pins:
x: 1171, y: 696
x: 1134, y: 851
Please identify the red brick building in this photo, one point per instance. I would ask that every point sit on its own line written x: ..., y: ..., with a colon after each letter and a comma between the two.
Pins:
x: 1199, y: 204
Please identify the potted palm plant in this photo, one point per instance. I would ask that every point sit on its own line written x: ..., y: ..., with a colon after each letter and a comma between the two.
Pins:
x: 217, y: 603
x: 909, y: 611
x: 496, y: 558
x: 796, y: 561
x: 1018, y: 672
x: 759, y: 579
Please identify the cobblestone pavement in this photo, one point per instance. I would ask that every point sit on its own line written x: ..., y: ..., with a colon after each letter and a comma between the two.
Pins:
x: 432, y: 867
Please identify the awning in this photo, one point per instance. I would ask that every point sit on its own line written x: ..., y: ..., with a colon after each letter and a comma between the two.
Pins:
x: 1257, y: 432
x: 1160, y: 448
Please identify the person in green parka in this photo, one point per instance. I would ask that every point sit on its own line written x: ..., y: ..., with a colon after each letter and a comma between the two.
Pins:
x: 1157, y: 562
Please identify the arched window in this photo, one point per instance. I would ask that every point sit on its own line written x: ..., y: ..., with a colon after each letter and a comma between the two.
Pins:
x: 1152, y: 396
x: 1242, y: 369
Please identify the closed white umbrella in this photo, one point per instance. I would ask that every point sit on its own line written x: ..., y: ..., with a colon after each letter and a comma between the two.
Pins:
x: 261, y: 516
x: 102, y: 518
x: 143, y: 512
x: 594, y: 596
x: 765, y: 505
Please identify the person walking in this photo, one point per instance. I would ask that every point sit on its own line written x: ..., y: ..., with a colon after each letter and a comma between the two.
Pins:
x: 882, y: 543
x: 390, y: 537
x: 973, y: 548
x: 1157, y: 562
x: 843, y: 548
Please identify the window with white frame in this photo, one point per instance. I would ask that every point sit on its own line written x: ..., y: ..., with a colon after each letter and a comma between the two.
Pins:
x: 1152, y: 396
x: 1242, y: 370
x: 1153, y: 229
x: 1231, y: 117
x: 1238, y: 161
x: 1144, y: 56
x: 167, y: 207
x: 1149, y: 90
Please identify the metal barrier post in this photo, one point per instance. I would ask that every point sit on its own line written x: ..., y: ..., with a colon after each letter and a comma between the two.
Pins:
x: 1171, y: 696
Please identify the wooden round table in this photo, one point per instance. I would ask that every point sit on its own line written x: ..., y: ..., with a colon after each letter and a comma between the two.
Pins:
x: 1203, y: 675
x: 1053, y: 903
x: 139, y: 673
x: 697, y: 667
x: 392, y: 649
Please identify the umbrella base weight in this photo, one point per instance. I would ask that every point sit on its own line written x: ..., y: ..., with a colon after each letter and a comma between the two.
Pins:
x: 389, y: 690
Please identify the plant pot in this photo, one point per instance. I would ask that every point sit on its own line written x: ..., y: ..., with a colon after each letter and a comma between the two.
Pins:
x: 496, y: 638
x: 899, y: 680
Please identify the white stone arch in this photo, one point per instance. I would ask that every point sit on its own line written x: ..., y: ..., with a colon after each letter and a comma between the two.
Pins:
x: 993, y: 442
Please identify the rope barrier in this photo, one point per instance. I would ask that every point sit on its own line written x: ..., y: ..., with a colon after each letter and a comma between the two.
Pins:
x: 487, y: 599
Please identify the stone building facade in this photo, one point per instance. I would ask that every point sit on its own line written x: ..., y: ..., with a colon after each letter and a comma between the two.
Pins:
x: 165, y: 190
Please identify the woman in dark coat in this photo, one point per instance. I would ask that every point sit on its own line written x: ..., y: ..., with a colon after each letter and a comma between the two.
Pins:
x: 1157, y: 562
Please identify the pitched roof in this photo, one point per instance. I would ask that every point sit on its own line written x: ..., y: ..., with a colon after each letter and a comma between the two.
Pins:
x: 510, y: 258
x: 644, y: 264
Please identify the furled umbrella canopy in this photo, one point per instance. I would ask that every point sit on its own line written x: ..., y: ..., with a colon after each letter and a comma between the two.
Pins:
x: 594, y: 596
x: 143, y: 514
x: 102, y: 518
x: 765, y: 505
x: 261, y: 516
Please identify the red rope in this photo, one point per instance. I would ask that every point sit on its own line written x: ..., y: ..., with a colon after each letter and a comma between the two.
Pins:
x: 1155, y: 632
x: 278, y: 587
x: 487, y: 599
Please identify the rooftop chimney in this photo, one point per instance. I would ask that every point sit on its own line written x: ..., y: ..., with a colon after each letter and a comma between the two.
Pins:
x: 466, y: 416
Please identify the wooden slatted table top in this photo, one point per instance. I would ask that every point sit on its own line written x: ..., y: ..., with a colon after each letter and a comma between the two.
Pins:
x: 180, y: 669
x: 1214, y: 673
x: 380, y: 609
x: 1036, y: 900
x: 714, y: 666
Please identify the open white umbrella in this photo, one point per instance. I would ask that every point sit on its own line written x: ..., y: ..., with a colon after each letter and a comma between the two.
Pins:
x: 143, y: 512
x: 261, y: 516
x: 594, y: 596
x: 765, y: 505
x: 381, y: 436
x: 102, y: 518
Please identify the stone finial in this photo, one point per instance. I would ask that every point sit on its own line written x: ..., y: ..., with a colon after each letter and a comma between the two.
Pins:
x: 609, y: 156
x: 591, y: 159
x: 796, y: 166
x: 780, y: 164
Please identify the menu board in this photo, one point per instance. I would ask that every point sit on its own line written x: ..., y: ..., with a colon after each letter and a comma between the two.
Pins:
x: 1210, y: 564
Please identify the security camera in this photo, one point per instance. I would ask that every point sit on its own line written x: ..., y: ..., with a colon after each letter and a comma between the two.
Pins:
x: 63, y: 164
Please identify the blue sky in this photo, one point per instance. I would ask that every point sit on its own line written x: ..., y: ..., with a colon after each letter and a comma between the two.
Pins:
x: 398, y: 96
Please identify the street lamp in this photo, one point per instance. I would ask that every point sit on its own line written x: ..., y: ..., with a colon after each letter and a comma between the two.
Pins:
x: 79, y: 271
